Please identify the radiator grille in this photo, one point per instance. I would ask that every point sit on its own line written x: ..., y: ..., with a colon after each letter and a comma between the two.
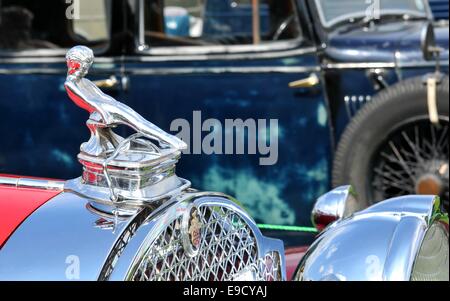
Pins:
x: 228, y: 250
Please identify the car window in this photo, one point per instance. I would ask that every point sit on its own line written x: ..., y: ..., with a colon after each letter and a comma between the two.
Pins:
x: 219, y: 22
x: 53, y: 24
x: 333, y: 12
x: 92, y: 23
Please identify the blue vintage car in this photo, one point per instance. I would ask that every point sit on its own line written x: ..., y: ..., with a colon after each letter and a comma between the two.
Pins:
x: 277, y: 100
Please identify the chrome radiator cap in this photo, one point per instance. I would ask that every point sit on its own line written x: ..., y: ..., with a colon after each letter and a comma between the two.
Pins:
x: 125, y: 171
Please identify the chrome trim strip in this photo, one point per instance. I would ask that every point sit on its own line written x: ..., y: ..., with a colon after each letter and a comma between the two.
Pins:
x: 102, y: 194
x: 217, y: 70
x: 358, y: 65
x: 221, y: 49
x: 49, y: 71
x: 165, y: 57
x: 33, y: 53
x: 421, y: 64
x: 165, y: 71
x: 41, y: 53
x: 52, y: 59
x: 168, y: 70
x: 108, y: 60
x: 32, y: 183
x: 381, y: 65
x: 227, y: 55
x: 188, y: 70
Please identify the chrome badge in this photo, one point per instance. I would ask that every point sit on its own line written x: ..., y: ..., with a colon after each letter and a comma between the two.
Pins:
x: 192, y: 231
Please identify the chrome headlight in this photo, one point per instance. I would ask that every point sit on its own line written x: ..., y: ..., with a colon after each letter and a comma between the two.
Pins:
x: 405, y: 238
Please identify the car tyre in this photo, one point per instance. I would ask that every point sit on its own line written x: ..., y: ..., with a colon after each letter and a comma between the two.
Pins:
x: 363, y: 139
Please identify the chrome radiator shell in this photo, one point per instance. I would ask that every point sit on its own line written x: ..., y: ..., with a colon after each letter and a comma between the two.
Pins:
x: 231, y: 247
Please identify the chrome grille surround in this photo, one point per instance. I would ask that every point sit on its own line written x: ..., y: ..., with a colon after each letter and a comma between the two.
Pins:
x: 231, y: 247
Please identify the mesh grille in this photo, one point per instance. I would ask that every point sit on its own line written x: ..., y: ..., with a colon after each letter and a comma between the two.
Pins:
x: 270, y: 267
x: 228, y: 248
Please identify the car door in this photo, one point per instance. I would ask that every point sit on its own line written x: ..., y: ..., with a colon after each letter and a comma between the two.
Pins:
x: 201, y: 65
x: 41, y: 128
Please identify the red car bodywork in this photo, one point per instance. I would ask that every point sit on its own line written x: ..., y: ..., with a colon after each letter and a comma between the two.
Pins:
x: 293, y: 257
x: 16, y: 204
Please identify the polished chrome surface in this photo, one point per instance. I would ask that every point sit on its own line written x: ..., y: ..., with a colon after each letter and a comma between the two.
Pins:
x: 219, y: 242
x: 62, y: 240
x: 333, y: 206
x: 73, y: 237
x: 378, y: 243
x: 32, y: 183
x: 152, y: 194
x: 387, y: 65
x: 129, y: 167
x: 432, y: 262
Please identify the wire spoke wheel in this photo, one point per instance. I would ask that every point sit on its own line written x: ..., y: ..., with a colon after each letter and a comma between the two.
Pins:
x: 414, y: 159
x: 390, y: 148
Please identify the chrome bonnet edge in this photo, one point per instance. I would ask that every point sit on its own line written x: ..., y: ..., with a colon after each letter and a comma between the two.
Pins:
x: 24, y: 182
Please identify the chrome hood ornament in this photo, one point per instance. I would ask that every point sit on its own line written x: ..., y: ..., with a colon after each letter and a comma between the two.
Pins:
x: 105, y: 111
x: 129, y: 168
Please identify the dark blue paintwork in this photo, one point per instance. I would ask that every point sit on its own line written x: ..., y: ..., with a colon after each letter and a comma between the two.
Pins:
x: 439, y: 8
x: 379, y: 44
x: 275, y: 194
x: 375, y: 45
x: 41, y: 130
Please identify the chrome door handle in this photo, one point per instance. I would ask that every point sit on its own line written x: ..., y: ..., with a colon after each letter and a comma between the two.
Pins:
x: 108, y: 84
x: 309, y: 82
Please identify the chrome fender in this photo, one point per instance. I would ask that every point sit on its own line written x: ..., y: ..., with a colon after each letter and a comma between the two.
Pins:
x: 404, y: 238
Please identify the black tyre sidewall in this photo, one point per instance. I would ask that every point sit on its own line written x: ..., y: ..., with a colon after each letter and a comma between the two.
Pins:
x: 372, y: 125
